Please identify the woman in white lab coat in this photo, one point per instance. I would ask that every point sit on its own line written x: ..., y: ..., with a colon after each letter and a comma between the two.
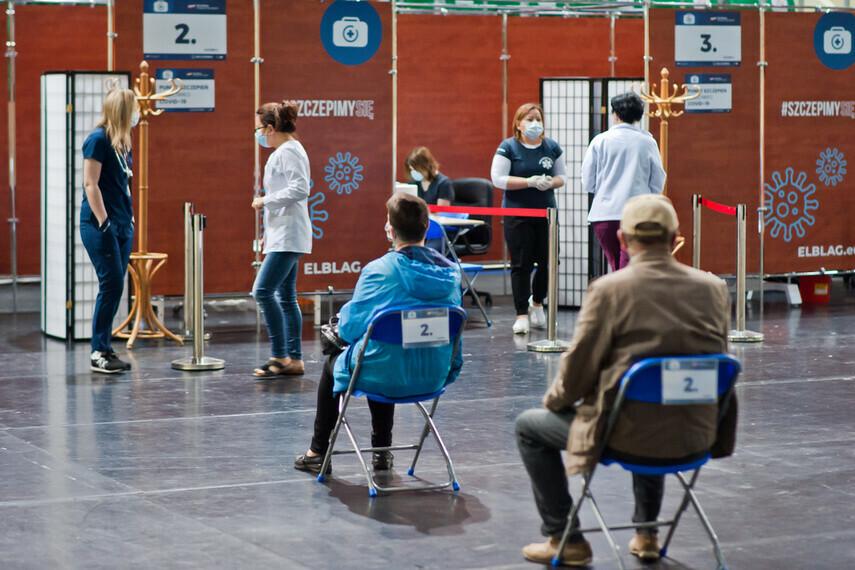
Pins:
x: 287, y: 236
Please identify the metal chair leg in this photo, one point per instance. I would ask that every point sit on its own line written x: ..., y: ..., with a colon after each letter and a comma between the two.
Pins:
x: 677, y: 515
x: 423, y: 436
x: 574, y: 512
x: 342, y: 406
x: 719, y: 555
x: 449, y: 466
x: 609, y: 538
x: 372, y: 489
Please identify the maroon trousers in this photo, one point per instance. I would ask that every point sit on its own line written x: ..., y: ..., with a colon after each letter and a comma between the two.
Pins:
x: 607, y: 236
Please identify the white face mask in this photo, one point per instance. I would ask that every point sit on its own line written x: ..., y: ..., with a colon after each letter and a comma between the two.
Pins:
x: 533, y: 129
x: 135, y: 119
x: 388, y: 229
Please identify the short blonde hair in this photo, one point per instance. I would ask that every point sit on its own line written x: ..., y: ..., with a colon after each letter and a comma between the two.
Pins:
x: 116, y: 116
x: 520, y: 115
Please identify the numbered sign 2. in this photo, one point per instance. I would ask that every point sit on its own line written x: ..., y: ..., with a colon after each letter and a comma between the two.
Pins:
x: 707, y: 38
x: 424, y: 328
x: 184, y: 29
x: 688, y: 381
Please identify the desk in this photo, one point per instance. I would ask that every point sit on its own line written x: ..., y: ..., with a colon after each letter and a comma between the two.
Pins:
x: 465, y: 224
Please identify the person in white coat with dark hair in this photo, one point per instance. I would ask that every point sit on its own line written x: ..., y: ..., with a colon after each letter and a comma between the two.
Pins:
x: 287, y: 236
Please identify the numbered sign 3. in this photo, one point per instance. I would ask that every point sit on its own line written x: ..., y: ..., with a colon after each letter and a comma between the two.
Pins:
x: 689, y: 381
x: 706, y: 38
x: 424, y: 328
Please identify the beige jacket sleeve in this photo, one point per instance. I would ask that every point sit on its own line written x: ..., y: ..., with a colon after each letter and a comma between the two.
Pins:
x: 582, y: 363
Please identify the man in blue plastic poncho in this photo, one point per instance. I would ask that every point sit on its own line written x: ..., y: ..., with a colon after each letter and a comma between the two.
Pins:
x: 411, y: 274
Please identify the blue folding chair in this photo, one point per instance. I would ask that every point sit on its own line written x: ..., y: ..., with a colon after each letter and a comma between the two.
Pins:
x: 668, y: 381
x: 437, y: 231
x: 414, y: 329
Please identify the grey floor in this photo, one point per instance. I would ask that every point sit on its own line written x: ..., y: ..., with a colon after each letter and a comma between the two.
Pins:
x: 163, y: 469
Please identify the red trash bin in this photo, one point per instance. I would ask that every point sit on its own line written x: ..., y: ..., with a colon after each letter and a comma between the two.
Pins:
x: 815, y: 288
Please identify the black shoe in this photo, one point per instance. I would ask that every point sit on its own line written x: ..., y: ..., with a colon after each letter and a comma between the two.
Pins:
x: 382, y: 460
x: 311, y: 464
x: 107, y: 363
x: 115, y: 357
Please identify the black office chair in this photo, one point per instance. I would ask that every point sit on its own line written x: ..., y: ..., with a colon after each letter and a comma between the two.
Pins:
x: 476, y: 241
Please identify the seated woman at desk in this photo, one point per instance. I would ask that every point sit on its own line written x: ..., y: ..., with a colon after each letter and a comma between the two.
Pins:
x: 434, y: 187
x: 423, y: 169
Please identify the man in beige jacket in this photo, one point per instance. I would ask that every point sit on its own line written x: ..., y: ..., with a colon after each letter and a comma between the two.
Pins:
x: 653, y: 307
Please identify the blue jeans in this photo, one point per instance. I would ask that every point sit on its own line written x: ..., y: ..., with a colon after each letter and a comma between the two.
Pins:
x: 541, y: 436
x: 275, y: 291
x: 109, y: 252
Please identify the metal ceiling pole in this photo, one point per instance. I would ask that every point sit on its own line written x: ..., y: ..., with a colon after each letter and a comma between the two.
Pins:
x: 13, y: 218
x: 647, y: 58
x: 256, y: 185
x: 111, y: 35
x: 761, y: 209
x: 394, y: 73
x: 504, y: 57
x: 612, y: 56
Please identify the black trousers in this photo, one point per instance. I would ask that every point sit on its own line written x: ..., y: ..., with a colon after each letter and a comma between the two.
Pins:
x: 528, y: 243
x: 382, y: 415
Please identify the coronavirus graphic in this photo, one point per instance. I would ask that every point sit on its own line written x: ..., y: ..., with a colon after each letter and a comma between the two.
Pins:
x: 831, y: 166
x: 789, y: 204
x: 343, y: 173
x: 316, y: 214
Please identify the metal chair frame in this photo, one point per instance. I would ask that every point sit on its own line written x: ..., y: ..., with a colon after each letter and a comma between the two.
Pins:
x: 649, y: 371
x: 465, y: 268
x: 376, y: 331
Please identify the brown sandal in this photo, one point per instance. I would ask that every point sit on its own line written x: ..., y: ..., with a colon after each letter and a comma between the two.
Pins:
x: 292, y: 369
x: 270, y: 368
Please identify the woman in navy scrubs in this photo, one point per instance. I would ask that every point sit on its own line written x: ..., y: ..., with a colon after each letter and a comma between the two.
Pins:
x: 528, y: 166
x: 107, y: 217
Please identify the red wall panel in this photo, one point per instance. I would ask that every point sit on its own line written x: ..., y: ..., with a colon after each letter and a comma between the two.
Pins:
x: 49, y: 38
x: 449, y: 100
x: 450, y: 80
x: 715, y: 155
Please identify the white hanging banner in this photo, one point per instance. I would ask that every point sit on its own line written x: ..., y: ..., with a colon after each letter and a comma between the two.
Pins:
x: 197, y: 91
x: 424, y: 328
x: 715, y: 94
x: 707, y: 38
x: 184, y: 29
x: 689, y: 381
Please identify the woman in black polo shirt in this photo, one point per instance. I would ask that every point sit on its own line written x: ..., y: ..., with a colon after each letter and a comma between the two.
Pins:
x: 107, y: 217
x: 528, y: 167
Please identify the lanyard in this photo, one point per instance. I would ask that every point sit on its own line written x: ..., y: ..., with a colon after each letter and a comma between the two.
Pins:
x: 123, y: 163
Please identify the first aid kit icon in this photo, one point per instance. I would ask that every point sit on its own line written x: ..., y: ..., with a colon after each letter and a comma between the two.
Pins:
x: 350, y: 32
x: 837, y: 40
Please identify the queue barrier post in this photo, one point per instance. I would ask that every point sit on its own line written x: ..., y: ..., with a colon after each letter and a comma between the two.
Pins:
x: 551, y: 344
x: 189, y: 312
x: 696, y: 231
x: 198, y: 361
x: 740, y: 334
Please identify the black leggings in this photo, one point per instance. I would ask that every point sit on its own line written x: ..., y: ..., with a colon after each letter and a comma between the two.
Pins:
x: 382, y: 415
x: 528, y: 243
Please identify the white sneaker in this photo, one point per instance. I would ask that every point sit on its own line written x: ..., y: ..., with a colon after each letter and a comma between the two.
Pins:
x: 521, y: 325
x: 535, y: 314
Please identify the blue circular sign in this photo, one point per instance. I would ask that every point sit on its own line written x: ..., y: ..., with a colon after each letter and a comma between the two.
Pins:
x: 351, y: 31
x: 832, y: 39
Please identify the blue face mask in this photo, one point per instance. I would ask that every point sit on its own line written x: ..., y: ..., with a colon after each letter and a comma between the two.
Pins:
x: 261, y: 139
x: 533, y: 130
x: 416, y: 175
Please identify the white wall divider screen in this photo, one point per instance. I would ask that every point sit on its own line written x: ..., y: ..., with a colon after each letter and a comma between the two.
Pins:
x: 576, y: 110
x: 71, y: 107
